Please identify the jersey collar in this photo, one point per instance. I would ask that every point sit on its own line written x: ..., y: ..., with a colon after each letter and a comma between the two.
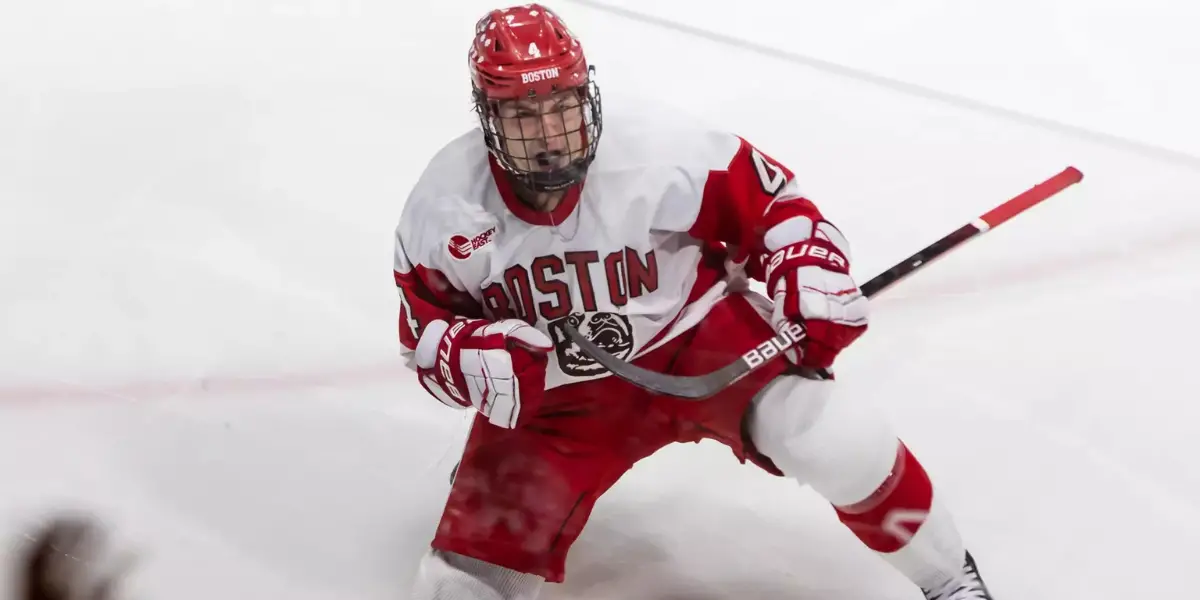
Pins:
x: 523, y: 211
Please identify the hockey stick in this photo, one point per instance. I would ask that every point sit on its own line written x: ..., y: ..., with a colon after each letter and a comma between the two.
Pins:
x: 702, y: 386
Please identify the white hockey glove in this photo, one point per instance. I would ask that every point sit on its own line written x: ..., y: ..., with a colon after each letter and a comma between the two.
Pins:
x: 808, y: 274
x: 498, y: 368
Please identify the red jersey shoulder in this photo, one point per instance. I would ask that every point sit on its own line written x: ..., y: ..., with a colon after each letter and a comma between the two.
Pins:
x: 693, y: 177
x: 656, y: 162
x: 667, y: 149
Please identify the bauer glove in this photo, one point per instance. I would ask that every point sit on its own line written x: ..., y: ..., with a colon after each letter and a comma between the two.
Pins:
x: 497, y: 368
x: 807, y: 270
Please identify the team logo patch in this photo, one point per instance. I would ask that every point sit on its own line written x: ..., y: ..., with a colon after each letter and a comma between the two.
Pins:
x: 610, y: 331
x: 461, y: 247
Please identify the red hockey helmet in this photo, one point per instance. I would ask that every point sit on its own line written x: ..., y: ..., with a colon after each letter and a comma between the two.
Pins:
x: 537, y: 102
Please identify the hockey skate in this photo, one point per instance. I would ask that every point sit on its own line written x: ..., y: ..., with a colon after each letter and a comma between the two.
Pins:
x: 968, y: 586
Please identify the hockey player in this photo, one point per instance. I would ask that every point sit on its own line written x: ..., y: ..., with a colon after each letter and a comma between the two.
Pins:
x: 643, y: 239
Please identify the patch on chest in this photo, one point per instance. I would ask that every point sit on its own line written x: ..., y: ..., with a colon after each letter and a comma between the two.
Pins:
x: 610, y: 331
x: 462, y: 247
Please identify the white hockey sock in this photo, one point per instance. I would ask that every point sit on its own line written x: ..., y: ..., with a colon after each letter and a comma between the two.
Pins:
x: 449, y: 576
x: 934, y: 554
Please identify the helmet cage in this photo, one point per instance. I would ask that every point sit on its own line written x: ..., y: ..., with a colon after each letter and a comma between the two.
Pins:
x: 582, y: 139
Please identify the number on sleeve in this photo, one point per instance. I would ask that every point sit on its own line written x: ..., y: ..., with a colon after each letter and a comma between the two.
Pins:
x: 770, y: 175
x: 410, y: 320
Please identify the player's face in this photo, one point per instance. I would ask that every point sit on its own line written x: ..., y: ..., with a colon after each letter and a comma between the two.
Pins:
x: 544, y: 133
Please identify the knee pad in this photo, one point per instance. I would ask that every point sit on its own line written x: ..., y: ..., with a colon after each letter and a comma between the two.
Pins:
x: 842, y: 448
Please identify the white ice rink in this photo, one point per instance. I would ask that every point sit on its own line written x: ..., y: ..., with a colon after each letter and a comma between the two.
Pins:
x: 197, y: 324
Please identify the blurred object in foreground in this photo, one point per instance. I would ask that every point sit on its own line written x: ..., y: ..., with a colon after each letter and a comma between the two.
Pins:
x: 67, y: 559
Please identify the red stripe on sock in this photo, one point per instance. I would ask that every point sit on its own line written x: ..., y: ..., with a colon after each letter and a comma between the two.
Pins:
x: 891, y: 515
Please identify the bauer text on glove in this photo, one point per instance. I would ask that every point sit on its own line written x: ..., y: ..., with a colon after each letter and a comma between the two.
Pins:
x: 497, y: 368
x: 808, y: 274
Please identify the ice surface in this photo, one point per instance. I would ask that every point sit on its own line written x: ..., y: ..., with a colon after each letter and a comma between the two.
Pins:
x: 198, y: 337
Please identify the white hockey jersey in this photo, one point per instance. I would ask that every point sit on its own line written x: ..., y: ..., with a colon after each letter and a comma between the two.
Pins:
x: 633, y: 259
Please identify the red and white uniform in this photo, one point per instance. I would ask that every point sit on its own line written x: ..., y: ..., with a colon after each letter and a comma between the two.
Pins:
x: 648, y: 256
x: 639, y: 256
x: 640, y: 262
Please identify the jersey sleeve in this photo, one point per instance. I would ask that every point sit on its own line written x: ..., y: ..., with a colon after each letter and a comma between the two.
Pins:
x: 743, y: 200
x: 426, y: 293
